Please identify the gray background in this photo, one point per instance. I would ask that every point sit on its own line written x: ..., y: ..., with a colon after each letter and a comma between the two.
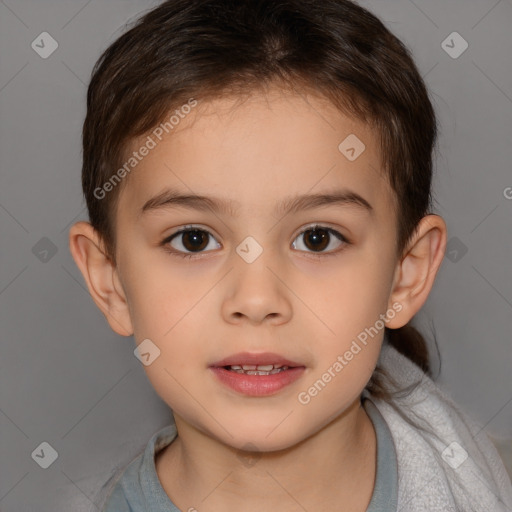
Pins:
x: 68, y: 380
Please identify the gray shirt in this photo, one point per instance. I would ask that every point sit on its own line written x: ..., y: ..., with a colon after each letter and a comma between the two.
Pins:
x: 138, y: 489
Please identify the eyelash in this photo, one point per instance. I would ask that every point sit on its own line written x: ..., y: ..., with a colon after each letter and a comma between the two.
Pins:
x: 312, y: 227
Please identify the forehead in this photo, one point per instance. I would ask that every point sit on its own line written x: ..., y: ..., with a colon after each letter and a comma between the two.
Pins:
x: 257, y: 150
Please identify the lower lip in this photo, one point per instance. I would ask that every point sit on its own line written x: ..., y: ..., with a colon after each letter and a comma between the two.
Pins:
x: 258, y: 385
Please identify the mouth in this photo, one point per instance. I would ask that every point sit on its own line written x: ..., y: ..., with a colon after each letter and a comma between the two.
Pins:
x: 257, y: 374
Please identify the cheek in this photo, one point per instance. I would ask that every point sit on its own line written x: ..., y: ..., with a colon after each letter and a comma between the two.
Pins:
x: 351, y: 297
x: 349, y: 312
x: 333, y: 388
x: 179, y: 361
x: 160, y: 297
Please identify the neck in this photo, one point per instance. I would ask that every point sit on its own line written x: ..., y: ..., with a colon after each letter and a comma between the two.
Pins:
x: 333, y: 466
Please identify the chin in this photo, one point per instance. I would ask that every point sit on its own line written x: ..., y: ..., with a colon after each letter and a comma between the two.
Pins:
x: 267, y: 439
x: 256, y: 446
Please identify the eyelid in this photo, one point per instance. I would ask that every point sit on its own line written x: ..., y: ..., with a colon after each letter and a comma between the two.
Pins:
x: 187, y: 227
x: 319, y: 225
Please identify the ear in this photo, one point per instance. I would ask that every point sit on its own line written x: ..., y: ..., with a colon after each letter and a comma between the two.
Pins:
x: 417, y: 269
x: 101, y: 276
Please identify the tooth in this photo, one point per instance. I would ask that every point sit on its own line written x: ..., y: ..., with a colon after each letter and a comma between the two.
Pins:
x: 249, y: 367
x: 258, y: 370
x: 265, y: 368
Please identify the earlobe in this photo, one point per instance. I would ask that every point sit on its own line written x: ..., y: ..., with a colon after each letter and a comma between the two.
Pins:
x: 416, y: 272
x: 99, y: 274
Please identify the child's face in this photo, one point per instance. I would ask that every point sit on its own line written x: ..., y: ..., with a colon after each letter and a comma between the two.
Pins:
x: 288, y: 300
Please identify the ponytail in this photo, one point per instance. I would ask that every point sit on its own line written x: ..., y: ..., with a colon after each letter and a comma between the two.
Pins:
x: 410, y: 343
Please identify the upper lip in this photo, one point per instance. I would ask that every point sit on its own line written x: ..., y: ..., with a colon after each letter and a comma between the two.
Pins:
x: 259, y: 359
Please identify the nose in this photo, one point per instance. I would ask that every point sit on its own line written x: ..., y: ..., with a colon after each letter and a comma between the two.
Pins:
x: 257, y: 292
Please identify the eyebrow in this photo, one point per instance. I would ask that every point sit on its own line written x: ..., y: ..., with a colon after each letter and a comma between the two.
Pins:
x: 172, y: 198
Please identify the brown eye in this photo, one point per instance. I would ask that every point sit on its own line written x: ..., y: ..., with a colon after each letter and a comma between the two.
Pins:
x: 194, y: 240
x: 189, y: 240
x: 317, y: 238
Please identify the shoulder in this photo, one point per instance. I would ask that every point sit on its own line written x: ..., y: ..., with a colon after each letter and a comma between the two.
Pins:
x: 125, y: 490
x: 117, y: 501
x: 137, y: 482
x: 438, y: 443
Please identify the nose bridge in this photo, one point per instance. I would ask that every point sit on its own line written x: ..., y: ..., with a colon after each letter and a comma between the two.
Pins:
x: 256, y: 264
x: 257, y: 288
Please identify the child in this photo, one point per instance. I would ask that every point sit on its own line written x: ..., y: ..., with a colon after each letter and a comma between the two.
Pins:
x: 223, y: 140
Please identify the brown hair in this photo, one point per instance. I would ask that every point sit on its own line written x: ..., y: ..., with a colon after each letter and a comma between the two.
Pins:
x: 204, y: 49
